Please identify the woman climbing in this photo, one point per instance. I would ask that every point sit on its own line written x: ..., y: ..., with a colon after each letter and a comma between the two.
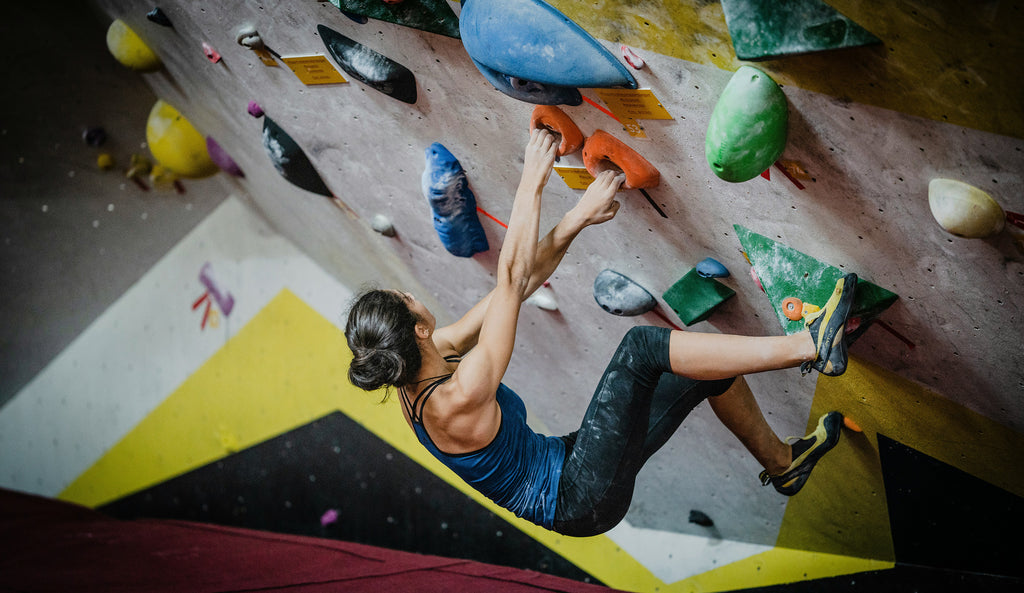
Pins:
x: 581, y: 484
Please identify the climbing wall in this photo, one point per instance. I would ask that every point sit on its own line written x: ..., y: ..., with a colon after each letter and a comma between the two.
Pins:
x: 272, y: 424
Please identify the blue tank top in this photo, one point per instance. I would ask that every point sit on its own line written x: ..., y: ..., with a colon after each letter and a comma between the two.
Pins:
x: 519, y: 470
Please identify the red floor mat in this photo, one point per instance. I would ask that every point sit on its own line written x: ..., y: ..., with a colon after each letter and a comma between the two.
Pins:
x: 50, y: 546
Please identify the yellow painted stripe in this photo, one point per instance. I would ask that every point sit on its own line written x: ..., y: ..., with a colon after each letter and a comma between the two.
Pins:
x: 775, y: 567
x: 944, y: 61
x: 281, y: 371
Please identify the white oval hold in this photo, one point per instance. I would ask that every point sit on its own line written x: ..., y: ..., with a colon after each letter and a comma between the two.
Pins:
x: 964, y: 210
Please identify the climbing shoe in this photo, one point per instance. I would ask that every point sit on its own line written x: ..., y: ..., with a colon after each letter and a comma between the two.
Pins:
x: 806, y: 452
x: 827, y: 327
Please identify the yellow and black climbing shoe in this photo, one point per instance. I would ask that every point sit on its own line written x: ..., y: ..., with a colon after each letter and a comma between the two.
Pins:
x: 806, y: 452
x: 827, y: 327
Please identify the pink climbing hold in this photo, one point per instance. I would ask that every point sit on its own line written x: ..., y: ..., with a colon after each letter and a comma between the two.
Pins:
x: 753, y: 274
x: 211, y: 54
x: 329, y: 517
x: 631, y: 58
x: 255, y: 110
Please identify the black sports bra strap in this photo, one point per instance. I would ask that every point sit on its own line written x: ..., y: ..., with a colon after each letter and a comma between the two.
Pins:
x: 416, y: 407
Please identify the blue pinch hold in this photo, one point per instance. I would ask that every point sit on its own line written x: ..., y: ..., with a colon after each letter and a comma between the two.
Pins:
x: 446, y: 188
x: 711, y: 268
x: 531, y: 40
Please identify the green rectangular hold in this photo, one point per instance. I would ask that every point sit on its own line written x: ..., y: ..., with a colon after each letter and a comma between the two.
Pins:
x: 785, y: 272
x: 693, y: 297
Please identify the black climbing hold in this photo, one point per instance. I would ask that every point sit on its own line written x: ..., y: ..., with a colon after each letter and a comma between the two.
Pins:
x: 157, y: 16
x: 700, y: 518
x: 95, y: 136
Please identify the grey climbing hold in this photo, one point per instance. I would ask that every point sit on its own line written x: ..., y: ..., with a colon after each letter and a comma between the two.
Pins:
x: 619, y: 295
x: 383, y: 225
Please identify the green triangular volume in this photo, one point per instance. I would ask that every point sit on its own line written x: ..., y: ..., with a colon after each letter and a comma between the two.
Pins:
x: 785, y: 272
x: 763, y: 29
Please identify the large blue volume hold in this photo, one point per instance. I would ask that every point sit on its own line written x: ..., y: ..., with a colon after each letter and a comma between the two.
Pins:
x: 447, y: 191
x: 530, y: 40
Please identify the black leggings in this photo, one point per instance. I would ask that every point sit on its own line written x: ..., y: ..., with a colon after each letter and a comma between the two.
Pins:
x: 638, y: 405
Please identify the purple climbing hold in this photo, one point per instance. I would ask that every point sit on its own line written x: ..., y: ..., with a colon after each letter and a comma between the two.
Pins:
x: 222, y: 159
x: 329, y: 516
x: 255, y: 110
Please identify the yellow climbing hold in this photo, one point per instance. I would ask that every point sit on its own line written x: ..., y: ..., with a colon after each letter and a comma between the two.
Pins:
x: 176, y: 144
x: 963, y: 209
x: 129, y: 49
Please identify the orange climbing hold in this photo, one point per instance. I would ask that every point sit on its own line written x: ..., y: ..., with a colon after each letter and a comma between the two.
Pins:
x: 559, y: 122
x: 851, y: 424
x: 792, y: 308
x: 602, y: 151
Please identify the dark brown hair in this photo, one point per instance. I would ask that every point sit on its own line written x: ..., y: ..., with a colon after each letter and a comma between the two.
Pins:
x: 381, y: 332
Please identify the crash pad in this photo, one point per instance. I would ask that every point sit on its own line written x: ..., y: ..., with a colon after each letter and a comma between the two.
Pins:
x: 531, y: 40
x: 763, y: 29
x: 434, y: 16
x: 694, y: 297
x: 369, y: 67
x: 748, y: 127
x: 446, y: 189
x: 785, y: 272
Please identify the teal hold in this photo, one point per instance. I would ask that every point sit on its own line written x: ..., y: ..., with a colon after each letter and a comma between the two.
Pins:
x: 748, y: 127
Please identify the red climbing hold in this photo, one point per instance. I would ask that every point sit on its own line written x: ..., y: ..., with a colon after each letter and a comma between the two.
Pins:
x: 211, y: 54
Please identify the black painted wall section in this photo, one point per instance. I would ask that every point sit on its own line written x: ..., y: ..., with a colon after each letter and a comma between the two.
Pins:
x: 382, y: 498
x: 945, y: 518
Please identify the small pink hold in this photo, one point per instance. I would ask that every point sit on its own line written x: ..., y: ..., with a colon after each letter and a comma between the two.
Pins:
x: 631, y: 58
x: 255, y: 110
x: 211, y: 54
x: 329, y: 517
x: 753, y: 274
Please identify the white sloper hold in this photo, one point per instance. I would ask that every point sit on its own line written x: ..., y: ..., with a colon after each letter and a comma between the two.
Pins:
x: 964, y: 210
